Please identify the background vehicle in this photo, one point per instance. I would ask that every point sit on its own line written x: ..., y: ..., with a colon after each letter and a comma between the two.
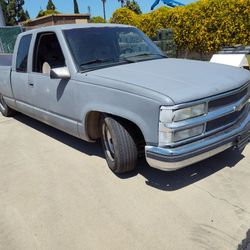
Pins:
x: 112, y: 82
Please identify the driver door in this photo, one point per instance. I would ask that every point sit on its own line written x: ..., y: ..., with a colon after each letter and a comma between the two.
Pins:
x: 51, y: 98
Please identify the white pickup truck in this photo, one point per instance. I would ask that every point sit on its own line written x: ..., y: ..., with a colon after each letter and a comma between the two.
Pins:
x: 112, y: 82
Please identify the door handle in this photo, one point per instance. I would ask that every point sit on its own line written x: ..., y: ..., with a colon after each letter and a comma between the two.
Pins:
x: 31, y: 84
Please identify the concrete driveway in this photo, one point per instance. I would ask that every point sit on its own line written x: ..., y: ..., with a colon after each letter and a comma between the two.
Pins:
x: 56, y: 192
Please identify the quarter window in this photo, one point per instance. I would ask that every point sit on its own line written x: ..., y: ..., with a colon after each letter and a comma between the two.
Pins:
x: 22, y: 54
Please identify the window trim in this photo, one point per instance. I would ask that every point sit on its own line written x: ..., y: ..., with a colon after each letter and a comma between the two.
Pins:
x: 17, y: 69
x: 39, y: 36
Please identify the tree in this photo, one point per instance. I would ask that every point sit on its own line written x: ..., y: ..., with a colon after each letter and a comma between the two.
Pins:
x: 50, y: 5
x: 104, y: 9
x: 24, y: 15
x: 27, y: 14
x: 203, y: 26
x: 4, y: 9
x: 125, y: 16
x: 50, y: 10
x: 2, y: 19
x: 97, y: 19
x: 134, y: 6
x: 13, y: 11
x: 47, y: 12
x: 76, y: 8
x: 122, y: 2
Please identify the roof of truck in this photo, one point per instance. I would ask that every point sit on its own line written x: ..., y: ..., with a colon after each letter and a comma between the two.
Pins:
x: 73, y: 26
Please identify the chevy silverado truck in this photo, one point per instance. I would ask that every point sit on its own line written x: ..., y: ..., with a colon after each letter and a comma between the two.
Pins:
x: 112, y: 82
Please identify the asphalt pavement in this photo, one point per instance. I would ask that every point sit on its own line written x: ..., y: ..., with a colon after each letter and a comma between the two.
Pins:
x: 56, y: 192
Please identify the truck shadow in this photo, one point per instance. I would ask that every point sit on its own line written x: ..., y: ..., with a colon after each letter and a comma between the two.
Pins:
x: 171, y: 181
x: 165, y: 181
x: 76, y: 143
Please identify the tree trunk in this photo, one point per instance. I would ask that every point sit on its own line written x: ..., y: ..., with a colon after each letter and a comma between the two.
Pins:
x: 104, y: 9
x: 2, y: 20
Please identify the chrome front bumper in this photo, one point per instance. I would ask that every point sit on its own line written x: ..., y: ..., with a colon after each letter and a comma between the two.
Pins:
x: 169, y: 159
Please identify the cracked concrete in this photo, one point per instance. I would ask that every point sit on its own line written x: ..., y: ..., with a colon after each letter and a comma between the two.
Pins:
x: 223, y: 199
x: 56, y: 192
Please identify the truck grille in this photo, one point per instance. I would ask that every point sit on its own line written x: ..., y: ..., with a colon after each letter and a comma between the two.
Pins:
x: 224, y: 111
x: 225, y: 121
x: 227, y: 100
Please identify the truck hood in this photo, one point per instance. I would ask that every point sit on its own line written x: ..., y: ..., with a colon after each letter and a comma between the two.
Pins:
x: 179, y: 79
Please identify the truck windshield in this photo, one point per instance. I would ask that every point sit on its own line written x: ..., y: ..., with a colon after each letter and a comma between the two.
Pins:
x: 99, y: 47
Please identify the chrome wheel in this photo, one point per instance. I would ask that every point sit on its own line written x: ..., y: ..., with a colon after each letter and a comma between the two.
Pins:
x: 108, y: 142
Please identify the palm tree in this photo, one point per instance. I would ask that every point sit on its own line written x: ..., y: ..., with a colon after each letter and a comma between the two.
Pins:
x: 104, y: 9
x: 76, y: 8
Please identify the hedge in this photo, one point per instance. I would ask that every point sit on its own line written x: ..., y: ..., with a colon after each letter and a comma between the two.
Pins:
x: 203, y: 26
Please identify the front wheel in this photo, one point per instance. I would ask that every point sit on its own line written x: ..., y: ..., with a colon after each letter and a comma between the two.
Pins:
x: 119, y: 146
x: 4, y: 109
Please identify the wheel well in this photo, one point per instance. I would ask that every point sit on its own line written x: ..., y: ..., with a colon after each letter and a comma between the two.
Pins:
x: 93, y: 130
x: 92, y: 125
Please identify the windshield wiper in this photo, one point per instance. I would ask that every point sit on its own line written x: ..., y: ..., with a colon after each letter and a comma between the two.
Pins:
x: 128, y: 58
x: 97, y: 60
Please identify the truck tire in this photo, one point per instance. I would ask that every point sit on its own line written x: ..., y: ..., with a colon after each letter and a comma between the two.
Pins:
x: 119, y: 146
x: 5, y: 110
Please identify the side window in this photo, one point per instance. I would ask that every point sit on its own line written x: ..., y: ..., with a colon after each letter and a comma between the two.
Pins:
x: 22, y: 54
x: 47, y: 53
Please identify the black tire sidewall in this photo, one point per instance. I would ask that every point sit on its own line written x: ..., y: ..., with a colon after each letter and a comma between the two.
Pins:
x: 121, y: 152
x: 111, y: 163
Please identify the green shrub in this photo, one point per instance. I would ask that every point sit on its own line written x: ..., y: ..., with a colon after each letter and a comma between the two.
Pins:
x: 125, y: 16
x: 97, y: 19
x: 202, y: 26
x: 47, y: 13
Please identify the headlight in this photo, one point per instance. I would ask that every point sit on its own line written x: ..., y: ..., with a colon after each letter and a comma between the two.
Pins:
x: 190, y: 112
x: 169, y: 115
x: 171, y: 121
x: 188, y: 133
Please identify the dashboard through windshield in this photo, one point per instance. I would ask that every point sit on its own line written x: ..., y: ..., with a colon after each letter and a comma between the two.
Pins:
x: 98, y: 47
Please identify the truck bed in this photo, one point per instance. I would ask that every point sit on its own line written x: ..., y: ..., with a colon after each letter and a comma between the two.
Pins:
x: 5, y: 59
x: 5, y: 69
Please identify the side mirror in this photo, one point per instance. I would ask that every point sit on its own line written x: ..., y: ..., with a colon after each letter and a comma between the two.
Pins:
x: 60, y: 73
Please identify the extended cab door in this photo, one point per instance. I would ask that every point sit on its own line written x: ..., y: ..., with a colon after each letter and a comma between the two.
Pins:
x: 19, y: 76
x: 52, y: 99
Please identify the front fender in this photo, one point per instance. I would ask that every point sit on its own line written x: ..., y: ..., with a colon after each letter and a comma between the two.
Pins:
x: 141, y: 111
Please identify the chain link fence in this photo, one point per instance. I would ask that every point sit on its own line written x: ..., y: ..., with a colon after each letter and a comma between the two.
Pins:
x: 8, y: 37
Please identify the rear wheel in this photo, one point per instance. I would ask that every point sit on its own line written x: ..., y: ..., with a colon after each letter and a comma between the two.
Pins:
x: 4, y: 109
x: 119, y: 146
